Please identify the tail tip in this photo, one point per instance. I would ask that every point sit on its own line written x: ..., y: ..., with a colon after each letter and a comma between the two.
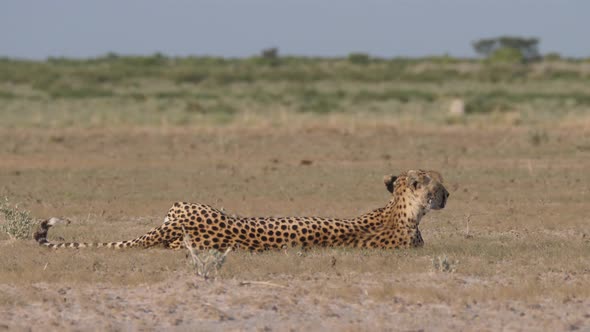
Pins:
x: 41, y: 235
x: 54, y: 221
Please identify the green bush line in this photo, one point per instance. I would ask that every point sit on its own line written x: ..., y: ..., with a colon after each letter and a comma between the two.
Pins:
x: 195, y: 70
x: 502, y: 100
x: 313, y: 100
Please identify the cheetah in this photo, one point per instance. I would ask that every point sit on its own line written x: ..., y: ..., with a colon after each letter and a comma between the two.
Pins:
x: 414, y: 193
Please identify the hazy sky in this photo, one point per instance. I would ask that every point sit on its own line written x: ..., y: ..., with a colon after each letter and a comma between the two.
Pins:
x: 80, y: 28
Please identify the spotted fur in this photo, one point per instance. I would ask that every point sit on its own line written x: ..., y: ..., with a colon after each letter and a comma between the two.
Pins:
x: 414, y: 193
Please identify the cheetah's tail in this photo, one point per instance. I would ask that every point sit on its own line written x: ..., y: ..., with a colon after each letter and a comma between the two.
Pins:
x: 41, y: 237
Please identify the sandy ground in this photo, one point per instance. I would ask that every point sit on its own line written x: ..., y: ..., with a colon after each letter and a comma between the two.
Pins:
x: 516, y: 229
x: 315, y: 303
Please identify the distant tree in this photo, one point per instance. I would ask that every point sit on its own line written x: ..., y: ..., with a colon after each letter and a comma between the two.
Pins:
x: 270, y: 56
x: 111, y: 55
x: 528, y: 48
x: 485, y: 47
x: 270, y: 53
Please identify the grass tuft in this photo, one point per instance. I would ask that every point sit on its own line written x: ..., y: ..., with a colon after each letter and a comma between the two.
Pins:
x: 538, y: 137
x: 18, y: 223
x: 206, y: 263
x: 444, y: 264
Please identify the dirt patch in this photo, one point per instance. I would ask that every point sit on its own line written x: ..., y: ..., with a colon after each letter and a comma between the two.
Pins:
x: 308, y: 302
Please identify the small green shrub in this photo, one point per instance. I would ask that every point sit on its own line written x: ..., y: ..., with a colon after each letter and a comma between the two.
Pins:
x: 496, y: 73
x: 486, y: 103
x: 18, y: 223
x: 174, y: 94
x: 190, y: 76
x: 313, y: 101
x: 217, y: 108
x: 6, y: 95
x: 156, y: 59
x: 359, y: 58
x: 402, y: 96
x: 506, y: 55
x: 320, y: 106
x: 80, y: 92
x: 442, y: 59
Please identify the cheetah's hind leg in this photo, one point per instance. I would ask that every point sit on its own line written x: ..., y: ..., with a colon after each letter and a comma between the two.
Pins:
x: 175, y: 244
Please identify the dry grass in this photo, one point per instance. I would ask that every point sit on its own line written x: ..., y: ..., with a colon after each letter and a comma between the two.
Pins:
x: 206, y: 263
x: 515, y: 223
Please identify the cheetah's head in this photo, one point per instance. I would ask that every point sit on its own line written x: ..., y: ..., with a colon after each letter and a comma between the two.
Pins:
x: 426, y: 187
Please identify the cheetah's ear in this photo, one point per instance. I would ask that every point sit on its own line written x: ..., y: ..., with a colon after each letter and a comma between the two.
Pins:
x: 389, y: 180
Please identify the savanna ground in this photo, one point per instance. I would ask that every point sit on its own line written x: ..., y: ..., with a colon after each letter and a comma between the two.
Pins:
x: 113, y: 149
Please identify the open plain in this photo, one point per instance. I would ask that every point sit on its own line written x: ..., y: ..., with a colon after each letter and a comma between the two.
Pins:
x: 515, y: 229
x: 510, y: 251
